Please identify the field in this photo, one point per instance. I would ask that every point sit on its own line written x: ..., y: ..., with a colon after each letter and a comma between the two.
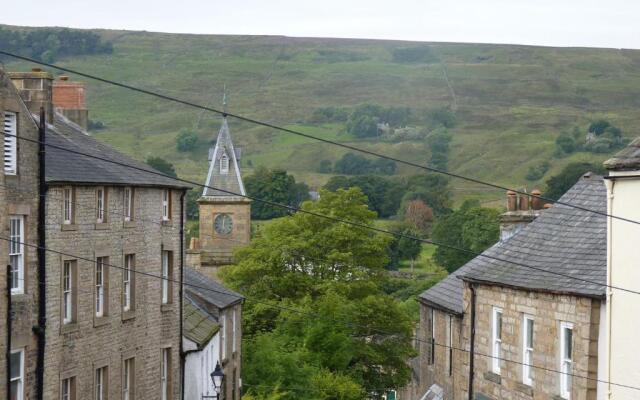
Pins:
x: 511, y: 101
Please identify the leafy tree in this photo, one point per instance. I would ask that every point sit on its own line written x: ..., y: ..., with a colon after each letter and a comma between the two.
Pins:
x: 443, y: 117
x: 598, y: 127
x: 355, y: 164
x: 325, y: 167
x: 439, y: 145
x: 363, y: 126
x: 418, y: 215
x: 537, y: 171
x: 162, y: 165
x: 403, y: 247
x: 566, y: 143
x: 276, y: 186
x: 471, y: 227
x: 432, y: 189
x: 193, y: 210
x: 350, y: 331
x: 186, y: 141
x: 383, y: 195
x: 557, y: 185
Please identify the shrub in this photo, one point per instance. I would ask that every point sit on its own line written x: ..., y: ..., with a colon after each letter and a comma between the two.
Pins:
x: 537, y: 171
x: 186, y: 141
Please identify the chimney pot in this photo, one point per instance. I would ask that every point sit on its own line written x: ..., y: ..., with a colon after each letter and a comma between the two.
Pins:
x: 512, y: 201
x: 548, y: 206
x: 524, y: 202
x: 536, y: 201
x: 63, y: 78
x: 36, y: 69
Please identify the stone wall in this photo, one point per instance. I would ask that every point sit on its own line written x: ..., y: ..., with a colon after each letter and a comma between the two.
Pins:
x: 232, y: 360
x: 19, y: 196
x: 77, y: 349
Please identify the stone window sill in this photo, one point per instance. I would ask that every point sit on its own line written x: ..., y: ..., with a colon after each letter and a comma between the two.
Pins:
x: 69, y: 227
x: 19, y: 297
x: 166, y: 307
x: 69, y: 328
x: 100, y: 321
x: 557, y: 397
x: 130, y: 224
x: 167, y: 222
x: 523, y: 388
x: 101, y: 226
x: 493, y: 377
x: 128, y: 315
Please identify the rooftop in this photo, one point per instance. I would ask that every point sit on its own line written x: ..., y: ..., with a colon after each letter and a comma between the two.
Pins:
x: 627, y: 159
x: 205, y: 290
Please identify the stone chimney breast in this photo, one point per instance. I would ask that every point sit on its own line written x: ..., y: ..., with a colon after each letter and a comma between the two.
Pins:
x: 69, y: 100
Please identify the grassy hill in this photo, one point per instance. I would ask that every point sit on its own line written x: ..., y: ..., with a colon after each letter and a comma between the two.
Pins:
x: 511, y: 101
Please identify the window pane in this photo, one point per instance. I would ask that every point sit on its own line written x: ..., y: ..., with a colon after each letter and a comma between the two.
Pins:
x: 16, y: 368
x: 499, y: 325
x: 568, y: 335
x: 529, y: 333
x: 15, y: 390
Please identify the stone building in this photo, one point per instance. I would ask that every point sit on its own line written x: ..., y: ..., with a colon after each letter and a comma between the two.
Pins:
x: 212, y: 335
x: 19, y: 203
x: 111, y: 332
x: 498, y: 330
x: 225, y: 215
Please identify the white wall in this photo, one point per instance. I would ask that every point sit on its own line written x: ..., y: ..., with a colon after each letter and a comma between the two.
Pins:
x: 198, y: 368
x: 623, y: 319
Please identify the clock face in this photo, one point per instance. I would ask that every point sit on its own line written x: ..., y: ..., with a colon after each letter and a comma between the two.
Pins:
x: 223, y: 224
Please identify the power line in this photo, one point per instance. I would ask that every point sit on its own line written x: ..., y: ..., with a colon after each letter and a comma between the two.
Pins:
x: 316, y: 138
x: 332, y: 218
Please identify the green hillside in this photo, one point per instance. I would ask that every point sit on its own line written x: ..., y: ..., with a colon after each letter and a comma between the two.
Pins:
x: 511, y: 102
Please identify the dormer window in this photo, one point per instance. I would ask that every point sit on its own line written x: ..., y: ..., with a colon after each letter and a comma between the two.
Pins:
x: 224, y: 164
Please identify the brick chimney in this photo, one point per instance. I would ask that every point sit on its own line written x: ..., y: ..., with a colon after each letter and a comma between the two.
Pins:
x: 69, y: 100
x: 35, y: 89
x: 521, y: 210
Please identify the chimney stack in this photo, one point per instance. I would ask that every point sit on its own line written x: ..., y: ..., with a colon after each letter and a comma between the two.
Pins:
x: 35, y: 89
x: 69, y: 100
x: 521, y: 209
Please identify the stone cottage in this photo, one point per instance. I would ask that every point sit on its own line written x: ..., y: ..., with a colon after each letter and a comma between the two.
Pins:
x: 212, y: 335
x: 498, y: 330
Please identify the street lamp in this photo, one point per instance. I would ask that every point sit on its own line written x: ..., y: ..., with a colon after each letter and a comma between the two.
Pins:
x: 217, y: 376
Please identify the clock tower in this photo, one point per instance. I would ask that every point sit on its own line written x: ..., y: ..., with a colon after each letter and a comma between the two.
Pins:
x: 225, y: 215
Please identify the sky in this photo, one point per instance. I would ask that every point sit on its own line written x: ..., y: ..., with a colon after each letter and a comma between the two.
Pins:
x: 583, y: 23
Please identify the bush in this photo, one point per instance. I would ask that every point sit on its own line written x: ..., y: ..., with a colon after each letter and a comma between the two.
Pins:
x: 598, y: 127
x: 537, y: 171
x: 566, y: 143
x: 355, y: 164
x: 186, y: 141
x: 162, y: 165
x: 443, y: 117
x: 325, y: 167
x: 329, y: 114
x: 95, y: 125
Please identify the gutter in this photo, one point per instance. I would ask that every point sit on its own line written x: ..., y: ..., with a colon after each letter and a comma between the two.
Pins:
x: 472, y: 340
x: 8, y: 331
x: 181, y: 312
x: 537, y: 290
x: 610, y: 184
x: 42, y: 301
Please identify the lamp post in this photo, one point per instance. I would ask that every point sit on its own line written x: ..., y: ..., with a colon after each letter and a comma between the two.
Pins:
x: 217, y: 376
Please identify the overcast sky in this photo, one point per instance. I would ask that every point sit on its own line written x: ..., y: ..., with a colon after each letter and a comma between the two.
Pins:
x: 589, y: 23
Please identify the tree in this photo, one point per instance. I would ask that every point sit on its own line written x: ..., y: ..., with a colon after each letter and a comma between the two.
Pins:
x: 557, y: 185
x: 598, y: 127
x: 439, y: 145
x: 403, y: 247
x: 566, y: 143
x: 162, y: 165
x: 275, y: 186
x: 418, y: 215
x: 193, y: 210
x: 383, y: 194
x: 325, y: 167
x: 432, y: 189
x: 186, y: 141
x: 350, y: 331
x: 471, y: 227
x: 352, y: 164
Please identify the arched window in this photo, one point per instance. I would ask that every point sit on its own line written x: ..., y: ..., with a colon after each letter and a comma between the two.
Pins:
x: 224, y: 164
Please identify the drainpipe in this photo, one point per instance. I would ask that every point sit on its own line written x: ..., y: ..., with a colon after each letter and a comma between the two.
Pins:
x: 610, y: 183
x: 8, y: 331
x: 42, y: 301
x: 182, y: 353
x: 472, y: 339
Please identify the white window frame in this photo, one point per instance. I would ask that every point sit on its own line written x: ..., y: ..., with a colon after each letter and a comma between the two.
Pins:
x: 527, y: 349
x: 127, y: 272
x: 99, y: 286
x: 126, y: 378
x: 20, y: 377
x: 100, y: 381
x: 165, y: 276
x: 164, y: 374
x: 233, y: 326
x: 566, y: 363
x: 166, y: 193
x: 128, y: 204
x: 224, y: 164
x: 65, y: 389
x: 10, y: 154
x: 67, y: 210
x: 496, y: 339
x: 16, y: 253
x: 100, y: 204
x: 223, y: 336
x: 67, y: 292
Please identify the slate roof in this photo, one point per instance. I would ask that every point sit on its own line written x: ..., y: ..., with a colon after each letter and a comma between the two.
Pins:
x: 203, y: 289
x: 563, y: 239
x: 627, y: 159
x: 199, y: 326
x: 65, y: 167
x: 230, y: 181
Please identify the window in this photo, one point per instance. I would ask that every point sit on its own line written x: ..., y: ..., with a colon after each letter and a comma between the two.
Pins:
x: 128, y: 204
x: 223, y: 336
x: 101, y: 386
x: 128, y: 282
x: 68, y: 206
x: 449, y: 346
x: 68, y: 295
x: 233, y: 325
x: 10, y: 144
x: 128, y: 374
x: 68, y: 389
x: 16, y: 253
x: 432, y: 339
x: 167, y: 274
x: 16, y: 374
x: 102, y: 286
x: 166, y: 205
x: 497, y: 340
x: 566, y: 359
x: 101, y: 205
x: 224, y: 164
x: 527, y: 350
x: 165, y: 374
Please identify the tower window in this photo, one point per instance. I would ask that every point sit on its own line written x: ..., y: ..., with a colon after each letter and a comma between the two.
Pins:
x: 224, y: 164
